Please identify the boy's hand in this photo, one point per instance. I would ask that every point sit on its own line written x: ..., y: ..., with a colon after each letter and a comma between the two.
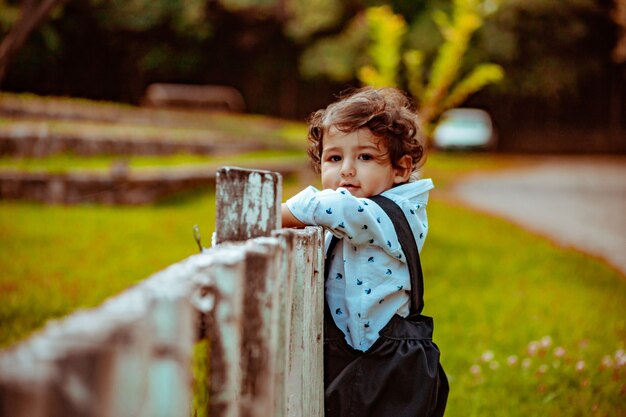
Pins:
x: 288, y: 219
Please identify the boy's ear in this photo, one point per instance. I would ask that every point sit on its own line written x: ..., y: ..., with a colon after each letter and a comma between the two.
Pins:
x: 403, y: 173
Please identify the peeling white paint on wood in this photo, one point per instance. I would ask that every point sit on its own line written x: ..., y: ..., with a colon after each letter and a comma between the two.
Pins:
x: 248, y: 204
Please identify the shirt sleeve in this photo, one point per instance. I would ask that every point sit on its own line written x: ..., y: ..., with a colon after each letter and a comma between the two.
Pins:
x: 358, y: 220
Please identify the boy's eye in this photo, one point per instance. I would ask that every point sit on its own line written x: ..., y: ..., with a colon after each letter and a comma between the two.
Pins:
x: 334, y: 158
x: 366, y: 157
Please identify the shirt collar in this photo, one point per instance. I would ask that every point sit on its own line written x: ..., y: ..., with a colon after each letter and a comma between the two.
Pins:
x: 411, y: 190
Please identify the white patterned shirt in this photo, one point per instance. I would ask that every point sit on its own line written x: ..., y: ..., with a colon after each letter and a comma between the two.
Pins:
x: 368, y: 279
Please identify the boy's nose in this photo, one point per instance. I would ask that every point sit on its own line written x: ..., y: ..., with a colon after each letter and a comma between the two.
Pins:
x: 347, y: 168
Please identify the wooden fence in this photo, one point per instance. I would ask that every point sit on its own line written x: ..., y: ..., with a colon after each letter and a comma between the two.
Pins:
x: 256, y: 296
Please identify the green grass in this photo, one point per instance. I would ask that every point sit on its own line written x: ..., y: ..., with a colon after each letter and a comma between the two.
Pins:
x: 67, y: 162
x: 495, y: 288
x: 57, y: 259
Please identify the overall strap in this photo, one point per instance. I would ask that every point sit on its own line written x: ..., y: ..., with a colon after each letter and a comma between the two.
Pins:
x: 409, y: 247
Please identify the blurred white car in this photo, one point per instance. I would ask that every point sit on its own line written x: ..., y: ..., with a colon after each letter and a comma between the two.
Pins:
x: 464, y: 128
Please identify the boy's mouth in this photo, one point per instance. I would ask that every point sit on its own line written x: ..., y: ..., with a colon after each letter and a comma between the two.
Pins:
x: 348, y: 186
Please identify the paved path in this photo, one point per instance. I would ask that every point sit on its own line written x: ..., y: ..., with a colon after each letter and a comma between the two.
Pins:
x: 575, y: 201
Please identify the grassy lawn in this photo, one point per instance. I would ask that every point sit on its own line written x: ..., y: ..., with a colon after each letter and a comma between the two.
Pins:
x: 61, y: 163
x: 525, y: 327
x: 55, y: 259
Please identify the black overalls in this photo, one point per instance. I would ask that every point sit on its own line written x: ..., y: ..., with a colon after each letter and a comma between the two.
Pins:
x: 400, y: 375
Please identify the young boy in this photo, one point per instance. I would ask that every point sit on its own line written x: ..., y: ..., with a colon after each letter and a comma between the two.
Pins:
x: 364, y: 145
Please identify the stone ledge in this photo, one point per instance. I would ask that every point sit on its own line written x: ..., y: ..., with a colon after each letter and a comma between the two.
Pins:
x: 110, y: 187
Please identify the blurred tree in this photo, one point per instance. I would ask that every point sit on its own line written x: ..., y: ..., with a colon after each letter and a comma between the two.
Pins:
x: 541, y: 44
x: 385, y: 52
x: 336, y: 56
x: 386, y: 32
x: 619, y: 16
x: 32, y: 13
x: 447, y: 85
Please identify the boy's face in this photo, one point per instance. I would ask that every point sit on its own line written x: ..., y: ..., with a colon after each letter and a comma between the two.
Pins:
x: 359, y: 162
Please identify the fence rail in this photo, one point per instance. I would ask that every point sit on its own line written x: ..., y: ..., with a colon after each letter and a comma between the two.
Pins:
x: 258, y: 296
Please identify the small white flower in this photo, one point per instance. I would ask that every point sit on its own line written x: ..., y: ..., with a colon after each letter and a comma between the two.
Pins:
x: 526, y: 363
x: 580, y: 366
x: 607, y: 361
x: 487, y: 356
x: 533, y: 348
x: 619, y: 354
x: 621, y: 361
x: 511, y: 360
x: 494, y: 365
x: 475, y: 369
x: 559, y: 352
x: 545, y: 342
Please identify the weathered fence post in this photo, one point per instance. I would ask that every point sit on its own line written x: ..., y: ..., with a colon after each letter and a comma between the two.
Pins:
x: 248, y: 204
x: 313, y: 376
x: 287, y: 239
x: 289, y: 358
x: 304, y: 360
x: 220, y: 296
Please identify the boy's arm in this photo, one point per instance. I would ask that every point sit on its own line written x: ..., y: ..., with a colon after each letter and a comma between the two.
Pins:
x: 288, y: 219
x: 359, y: 221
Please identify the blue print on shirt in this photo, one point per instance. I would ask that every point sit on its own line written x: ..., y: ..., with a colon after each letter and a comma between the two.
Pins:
x: 370, y: 259
x: 341, y: 225
x: 367, y: 324
x: 329, y: 210
x: 371, y: 241
x: 388, y: 272
x: 359, y: 282
x: 338, y: 312
x: 378, y: 219
x: 421, y: 235
x: 400, y: 287
x: 381, y: 301
x: 342, y: 192
x: 389, y: 243
x: 339, y: 276
x: 411, y: 210
x: 365, y: 203
x: 360, y: 209
x: 364, y: 227
x: 368, y: 290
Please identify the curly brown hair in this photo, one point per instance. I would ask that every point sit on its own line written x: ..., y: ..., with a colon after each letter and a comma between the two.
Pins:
x: 387, y: 112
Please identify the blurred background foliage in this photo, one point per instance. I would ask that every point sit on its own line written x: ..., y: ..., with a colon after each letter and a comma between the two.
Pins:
x: 556, y: 62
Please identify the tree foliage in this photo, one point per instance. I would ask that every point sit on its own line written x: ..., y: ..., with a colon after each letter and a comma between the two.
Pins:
x: 619, y: 17
x: 548, y: 48
x: 457, y: 29
x: 386, y: 31
x: 389, y: 62
x: 20, y: 22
